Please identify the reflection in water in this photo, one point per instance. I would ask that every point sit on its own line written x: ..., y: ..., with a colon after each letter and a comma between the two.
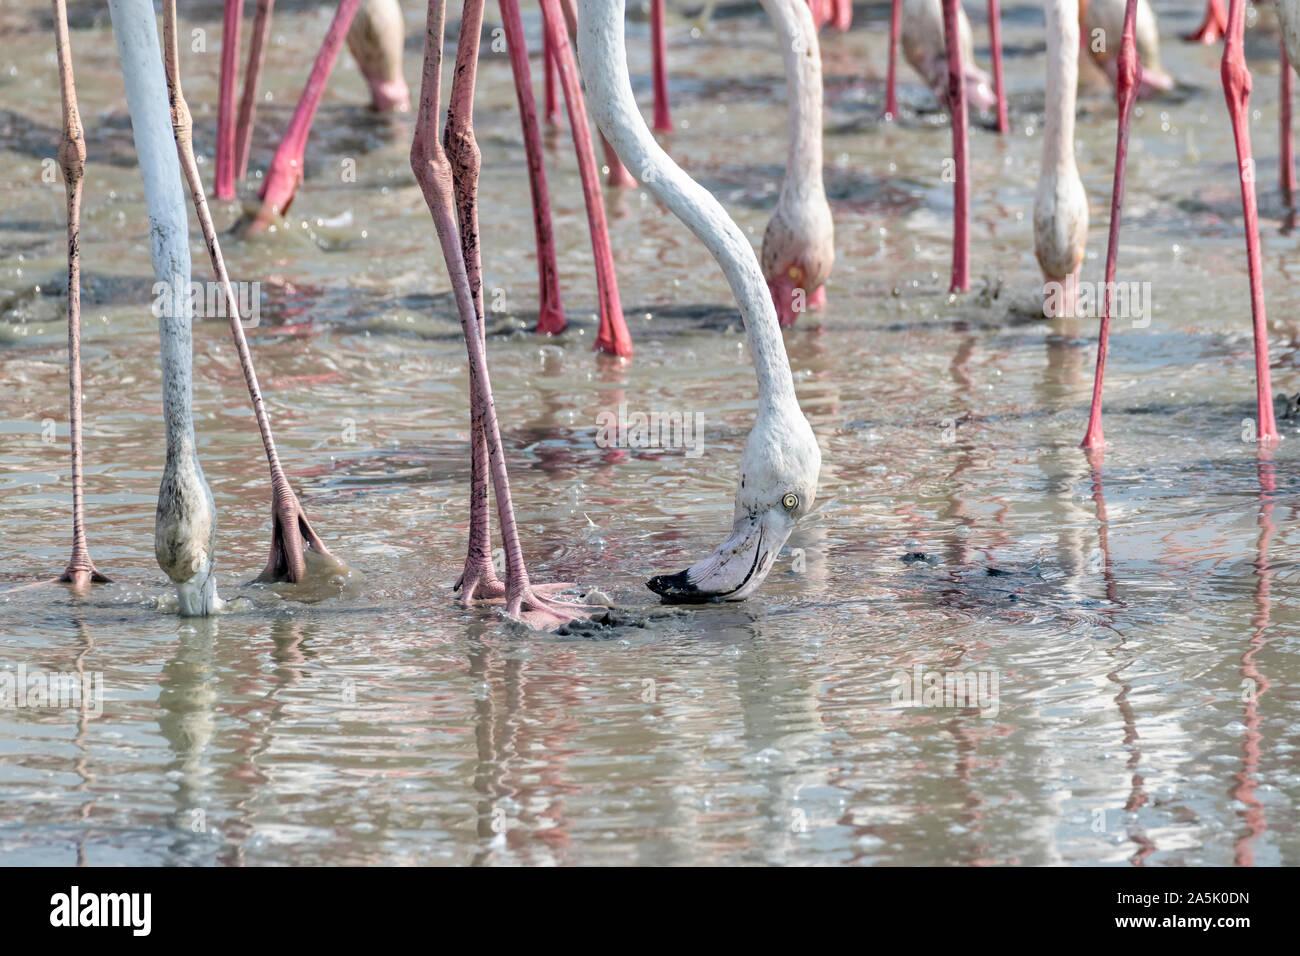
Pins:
x: 1253, y: 682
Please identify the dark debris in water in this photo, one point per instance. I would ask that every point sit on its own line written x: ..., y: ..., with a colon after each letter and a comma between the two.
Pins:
x: 612, y: 621
x: 919, y: 557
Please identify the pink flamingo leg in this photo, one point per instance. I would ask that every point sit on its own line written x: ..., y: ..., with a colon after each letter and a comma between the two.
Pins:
x: 891, y: 81
x: 434, y: 172
x: 252, y: 77
x: 285, y: 172
x: 81, y: 570
x: 1286, y: 155
x: 960, y: 149
x: 841, y: 14
x: 478, y: 580
x: 224, y: 186
x: 550, y: 313
x: 612, y: 336
x: 548, y: 64
x: 995, y: 41
x: 619, y: 174
x: 659, y: 48
x: 619, y: 177
x: 1213, y: 27
x: 1127, y: 80
x: 1236, y: 90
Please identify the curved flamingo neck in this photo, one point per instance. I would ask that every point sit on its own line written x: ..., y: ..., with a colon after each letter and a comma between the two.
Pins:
x: 603, y: 57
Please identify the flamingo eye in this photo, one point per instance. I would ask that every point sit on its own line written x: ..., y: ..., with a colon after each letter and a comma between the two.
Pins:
x: 790, y: 502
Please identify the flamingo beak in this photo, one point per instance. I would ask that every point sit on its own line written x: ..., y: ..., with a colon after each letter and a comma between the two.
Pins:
x: 735, y: 570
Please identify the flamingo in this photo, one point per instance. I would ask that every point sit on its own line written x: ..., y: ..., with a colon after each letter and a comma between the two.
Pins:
x: 1236, y: 90
x: 799, y: 243
x: 1103, y: 20
x: 781, y: 461
x: 1060, y: 203
x: 186, y: 522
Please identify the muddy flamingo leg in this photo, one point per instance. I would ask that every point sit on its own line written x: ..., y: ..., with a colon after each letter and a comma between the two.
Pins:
x: 434, y: 172
x: 1213, y: 27
x: 960, y: 151
x: 995, y: 41
x: 1127, y: 80
x: 659, y: 48
x: 224, y: 184
x: 841, y: 14
x: 550, y: 313
x: 291, y: 533
x: 252, y: 77
x: 285, y: 172
x: 548, y: 73
x: 1236, y: 90
x: 612, y: 336
x: 72, y: 158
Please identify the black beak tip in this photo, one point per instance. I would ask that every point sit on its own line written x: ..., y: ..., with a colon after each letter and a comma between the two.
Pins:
x: 676, y: 589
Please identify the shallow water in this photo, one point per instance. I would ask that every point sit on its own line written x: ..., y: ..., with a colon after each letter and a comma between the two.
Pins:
x: 1139, y: 614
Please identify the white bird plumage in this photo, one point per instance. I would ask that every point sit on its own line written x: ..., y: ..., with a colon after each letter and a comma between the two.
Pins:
x: 799, y: 242
x: 781, y: 462
x: 1060, y: 204
x: 185, y: 527
x: 925, y: 48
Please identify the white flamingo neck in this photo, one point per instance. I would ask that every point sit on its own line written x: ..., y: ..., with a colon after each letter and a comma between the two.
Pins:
x: 146, y: 93
x: 603, y: 58
x: 1062, y: 84
x: 803, y: 73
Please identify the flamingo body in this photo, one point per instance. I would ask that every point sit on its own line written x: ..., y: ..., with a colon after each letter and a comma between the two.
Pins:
x: 922, y: 40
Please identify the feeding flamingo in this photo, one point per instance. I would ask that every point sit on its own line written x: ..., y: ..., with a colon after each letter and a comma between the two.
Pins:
x: 1060, y: 203
x: 1236, y: 89
x: 781, y: 461
x: 186, y: 523
x: 799, y: 243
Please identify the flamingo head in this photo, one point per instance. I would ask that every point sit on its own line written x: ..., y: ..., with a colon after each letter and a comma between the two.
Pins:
x: 778, y: 486
x: 798, y: 253
x: 185, y: 532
